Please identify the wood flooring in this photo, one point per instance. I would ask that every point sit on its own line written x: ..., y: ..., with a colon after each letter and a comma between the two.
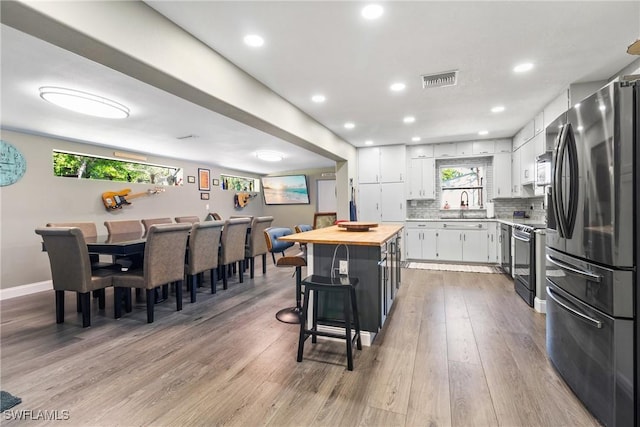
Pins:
x: 458, y: 349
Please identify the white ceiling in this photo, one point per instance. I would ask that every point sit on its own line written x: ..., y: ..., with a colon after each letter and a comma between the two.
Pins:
x: 326, y: 47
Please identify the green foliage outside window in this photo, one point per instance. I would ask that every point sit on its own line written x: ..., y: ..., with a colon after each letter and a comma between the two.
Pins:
x: 238, y: 183
x: 90, y: 167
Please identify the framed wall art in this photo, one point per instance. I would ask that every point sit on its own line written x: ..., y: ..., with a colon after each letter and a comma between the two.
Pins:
x: 204, y: 181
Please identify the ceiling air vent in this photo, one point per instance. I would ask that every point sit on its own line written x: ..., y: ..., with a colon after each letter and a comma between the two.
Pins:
x: 445, y: 78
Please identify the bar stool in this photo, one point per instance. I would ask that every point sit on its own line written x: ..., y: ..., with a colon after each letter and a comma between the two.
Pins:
x: 341, y: 285
x: 292, y: 314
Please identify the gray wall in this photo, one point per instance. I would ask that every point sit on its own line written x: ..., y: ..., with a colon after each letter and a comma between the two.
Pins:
x: 39, y: 198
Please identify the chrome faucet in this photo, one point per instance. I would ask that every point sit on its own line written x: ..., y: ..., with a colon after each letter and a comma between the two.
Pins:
x: 464, y: 203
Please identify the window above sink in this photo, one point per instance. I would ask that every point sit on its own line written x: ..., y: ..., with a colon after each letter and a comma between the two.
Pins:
x: 462, y: 186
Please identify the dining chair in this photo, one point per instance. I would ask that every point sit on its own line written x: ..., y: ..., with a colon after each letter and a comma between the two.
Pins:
x: 202, y: 254
x: 129, y: 226
x: 256, y: 243
x: 163, y: 264
x: 71, y: 270
x: 187, y: 219
x: 324, y: 219
x: 151, y: 221
x: 232, y: 244
x: 274, y: 246
x: 89, y: 230
x: 301, y: 228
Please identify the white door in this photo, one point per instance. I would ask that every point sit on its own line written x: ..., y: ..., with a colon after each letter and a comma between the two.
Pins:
x: 327, y: 201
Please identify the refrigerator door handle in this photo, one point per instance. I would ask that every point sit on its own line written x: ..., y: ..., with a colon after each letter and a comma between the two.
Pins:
x: 576, y: 313
x: 564, y: 266
x: 572, y: 153
x: 557, y: 190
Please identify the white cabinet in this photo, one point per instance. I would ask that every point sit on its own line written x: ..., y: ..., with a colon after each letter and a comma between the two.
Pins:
x: 368, y: 202
x: 381, y: 164
x: 527, y: 163
x: 475, y: 246
x: 393, y: 163
x: 484, y: 147
x: 503, y: 146
x: 381, y: 202
x: 464, y: 148
x: 444, y: 150
x: 420, y: 151
x: 369, y: 165
x: 516, y: 175
x: 525, y: 134
x: 421, y: 242
x: 538, y: 123
x: 422, y: 179
x: 392, y: 202
x: 501, y: 175
x: 493, y: 248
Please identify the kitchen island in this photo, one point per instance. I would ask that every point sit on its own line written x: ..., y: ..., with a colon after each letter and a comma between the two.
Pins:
x: 373, y: 256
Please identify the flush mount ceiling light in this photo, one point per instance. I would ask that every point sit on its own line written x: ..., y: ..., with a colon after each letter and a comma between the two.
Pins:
x: 84, y: 103
x: 269, y: 156
x: 522, y: 68
x: 497, y: 109
x: 253, y: 40
x: 349, y: 125
x: 368, y: 142
x: 318, y: 98
x: 409, y: 119
x: 397, y: 87
x: 372, y: 11
x: 415, y: 139
x: 483, y: 132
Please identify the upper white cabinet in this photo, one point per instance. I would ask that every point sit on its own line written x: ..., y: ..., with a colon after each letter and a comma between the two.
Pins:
x: 484, y: 147
x: 420, y: 151
x: 527, y: 162
x: 445, y: 150
x: 501, y: 175
x: 503, y: 146
x: 422, y: 179
x: 516, y: 176
x: 381, y: 202
x: 464, y: 148
x: 525, y: 134
x: 381, y: 164
x: 538, y: 123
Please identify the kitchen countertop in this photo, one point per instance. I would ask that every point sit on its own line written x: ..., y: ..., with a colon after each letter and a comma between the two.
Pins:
x: 508, y: 221
x: 335, y: 235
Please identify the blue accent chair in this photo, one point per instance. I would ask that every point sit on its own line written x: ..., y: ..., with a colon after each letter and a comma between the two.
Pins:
x: 274, y: 246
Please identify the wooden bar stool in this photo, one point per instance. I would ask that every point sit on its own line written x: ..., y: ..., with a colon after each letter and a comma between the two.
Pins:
x: 341, y: 285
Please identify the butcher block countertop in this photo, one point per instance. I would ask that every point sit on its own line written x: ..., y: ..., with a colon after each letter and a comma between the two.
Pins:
x: 335, y: 235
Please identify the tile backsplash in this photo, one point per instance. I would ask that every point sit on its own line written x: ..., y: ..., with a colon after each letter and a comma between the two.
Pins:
x: 429, y: 209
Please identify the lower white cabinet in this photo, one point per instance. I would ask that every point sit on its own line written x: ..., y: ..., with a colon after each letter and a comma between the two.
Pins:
x: 464, y: 241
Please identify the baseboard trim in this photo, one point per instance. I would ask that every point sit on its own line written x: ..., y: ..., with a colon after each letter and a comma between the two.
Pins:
x: 540, y: 305
x: 31, y: 288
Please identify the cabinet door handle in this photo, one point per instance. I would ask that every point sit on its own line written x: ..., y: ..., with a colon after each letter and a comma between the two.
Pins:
x: 400, y: 177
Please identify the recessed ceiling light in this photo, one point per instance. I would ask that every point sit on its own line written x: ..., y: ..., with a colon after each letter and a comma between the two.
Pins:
x: 483, y: 132
x: 349, y: 125
x: 368, y: 142
x: 580, y: 128
x: 497, y: 109
x: 602, y: 107
x: 521, y: 68
x: 372, y: 11
x: 318, y: 98
x: 397, y: 87
x: 253, y: 40
x: 269, y: 156
x: 84, y: 103
x: 577, y: 105
x: 409, y: 119
x: 415, y: 139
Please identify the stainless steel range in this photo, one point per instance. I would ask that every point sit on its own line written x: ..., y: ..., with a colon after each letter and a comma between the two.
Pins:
x: 528, y: 262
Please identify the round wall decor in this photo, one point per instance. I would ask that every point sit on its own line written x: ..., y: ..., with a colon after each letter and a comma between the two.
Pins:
x: 12, y: 164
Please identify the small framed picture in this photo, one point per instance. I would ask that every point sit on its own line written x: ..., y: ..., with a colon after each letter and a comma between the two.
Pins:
x: 191, y: 179
x: 204, y: 196
x: 204, y: 179
x: 215, y: 182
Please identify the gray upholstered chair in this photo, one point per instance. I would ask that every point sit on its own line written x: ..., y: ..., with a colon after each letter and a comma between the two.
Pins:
x: 152, y: 221
x: 274, y: 246
x: 187, y: 219
x: 256, y: 243
x: 232, y: 244
x: 163, y: 264
x: 71, y: 270
x: 89, y: 231
x: 124, y: 226
x: 204, y: 244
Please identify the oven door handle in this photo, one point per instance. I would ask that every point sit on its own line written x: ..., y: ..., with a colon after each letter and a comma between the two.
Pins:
x: 576, y: 313
x: 564, y: 266
x: 522, y: 239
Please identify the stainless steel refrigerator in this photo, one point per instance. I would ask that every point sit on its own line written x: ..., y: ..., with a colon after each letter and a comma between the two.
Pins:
x: 592, y: 252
